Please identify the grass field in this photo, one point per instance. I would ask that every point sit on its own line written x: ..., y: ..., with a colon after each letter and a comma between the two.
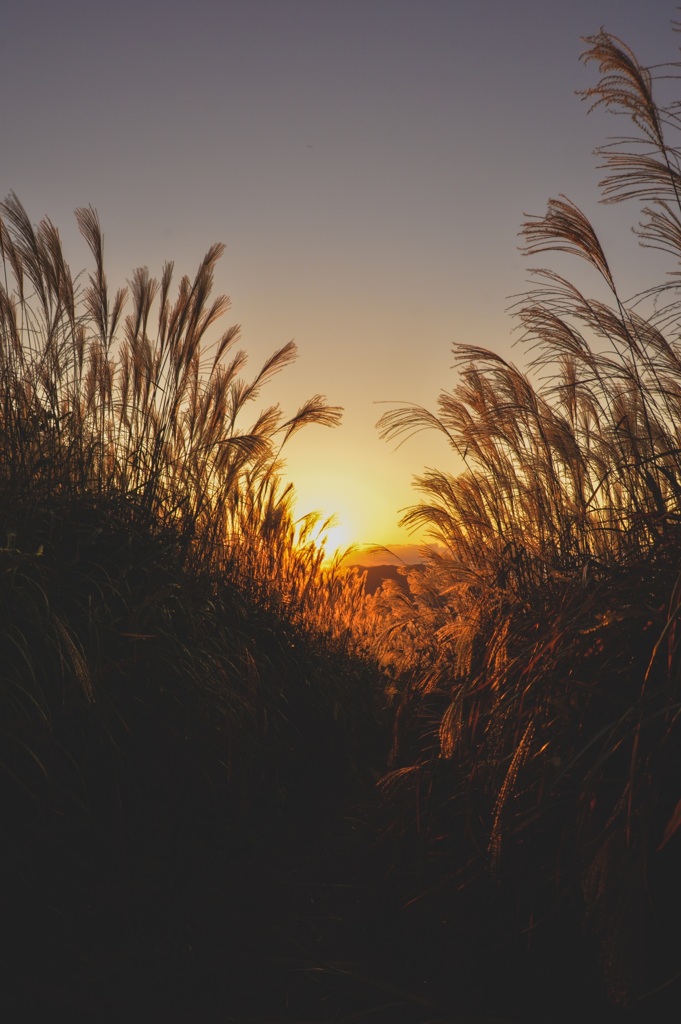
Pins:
x: 238, y: 786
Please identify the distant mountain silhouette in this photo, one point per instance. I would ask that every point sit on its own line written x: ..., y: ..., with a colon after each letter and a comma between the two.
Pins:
x: 368, y: 555
x: 377, y: 574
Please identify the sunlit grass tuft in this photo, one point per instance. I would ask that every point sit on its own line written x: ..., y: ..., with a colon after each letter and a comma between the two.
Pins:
x: 537, y: 651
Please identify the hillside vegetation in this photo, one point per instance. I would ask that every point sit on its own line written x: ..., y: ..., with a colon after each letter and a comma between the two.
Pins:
x: 538, y: 716
x: 182, y: 698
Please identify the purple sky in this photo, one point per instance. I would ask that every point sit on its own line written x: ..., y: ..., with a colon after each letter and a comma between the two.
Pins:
x: 367, y: 163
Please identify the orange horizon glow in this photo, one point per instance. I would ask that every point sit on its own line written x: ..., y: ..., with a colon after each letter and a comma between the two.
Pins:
x: 346, y: 528
x: 343, y: 543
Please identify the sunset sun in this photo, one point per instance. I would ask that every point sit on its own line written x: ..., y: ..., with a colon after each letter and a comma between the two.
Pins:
x: 336, y: 537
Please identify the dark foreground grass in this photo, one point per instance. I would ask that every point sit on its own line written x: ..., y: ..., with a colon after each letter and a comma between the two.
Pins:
x: 184, y: 708
x: 537, y: 727
x: 169, y: 749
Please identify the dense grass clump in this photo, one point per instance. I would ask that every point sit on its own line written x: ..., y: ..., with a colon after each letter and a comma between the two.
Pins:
x: 539, y: 708
x: 183, y: 702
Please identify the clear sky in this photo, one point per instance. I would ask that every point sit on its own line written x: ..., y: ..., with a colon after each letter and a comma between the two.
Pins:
x: 367, y: 163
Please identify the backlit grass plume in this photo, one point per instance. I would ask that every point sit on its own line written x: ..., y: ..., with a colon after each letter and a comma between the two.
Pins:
x: 547, y: 663
x: 180, y: 690
x: 129, y: 393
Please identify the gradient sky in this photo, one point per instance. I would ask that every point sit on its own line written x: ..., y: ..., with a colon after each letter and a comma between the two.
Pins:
x: 367, y: 163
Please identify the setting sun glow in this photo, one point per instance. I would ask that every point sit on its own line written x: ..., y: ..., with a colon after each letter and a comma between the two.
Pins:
x: 359, y: 511
x: 336, y: 538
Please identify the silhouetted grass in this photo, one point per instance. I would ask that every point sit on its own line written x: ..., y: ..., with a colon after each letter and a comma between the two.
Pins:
x: 184, y: 705
x: 538, y: 710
